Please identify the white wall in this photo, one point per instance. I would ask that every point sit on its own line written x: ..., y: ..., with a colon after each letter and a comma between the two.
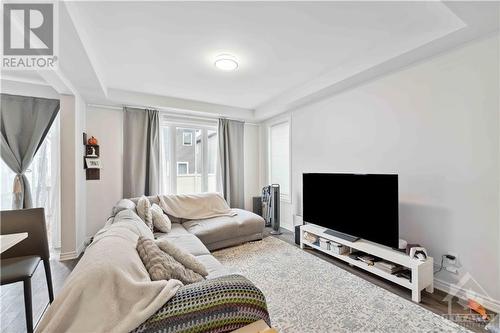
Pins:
x: 107, y: 126
x: 73, y: 186
x: 436, y: 124
x: 81, y: 181
x: 251, y: 162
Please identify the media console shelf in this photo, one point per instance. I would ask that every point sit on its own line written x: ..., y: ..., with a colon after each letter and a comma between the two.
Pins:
x: 422, y: 275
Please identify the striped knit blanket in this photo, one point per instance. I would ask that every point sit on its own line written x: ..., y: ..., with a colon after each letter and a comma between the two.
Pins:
x: 213, y: 306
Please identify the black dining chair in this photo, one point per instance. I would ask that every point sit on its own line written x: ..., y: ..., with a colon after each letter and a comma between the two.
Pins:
x: 20, y: 261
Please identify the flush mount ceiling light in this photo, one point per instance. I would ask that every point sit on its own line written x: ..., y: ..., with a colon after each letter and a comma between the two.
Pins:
x: 226, y: 62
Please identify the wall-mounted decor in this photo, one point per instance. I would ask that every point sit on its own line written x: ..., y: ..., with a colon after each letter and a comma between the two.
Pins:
x: 93, y: 163
x: 91, y: 160
x: 92, y: 141
x: 92, y: 152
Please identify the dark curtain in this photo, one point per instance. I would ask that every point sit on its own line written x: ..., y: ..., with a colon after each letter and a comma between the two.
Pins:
x: 141, y: 152
x: 24, y: 124
x: 231, y: 146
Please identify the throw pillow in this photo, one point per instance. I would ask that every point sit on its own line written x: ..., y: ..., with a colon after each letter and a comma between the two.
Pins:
x: 185, y: 258
x: 162, y: 266
x: 144, y: 211
x: 161, y: 222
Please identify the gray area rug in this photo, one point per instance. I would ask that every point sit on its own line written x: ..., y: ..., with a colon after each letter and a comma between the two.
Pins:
x: 307, y: 294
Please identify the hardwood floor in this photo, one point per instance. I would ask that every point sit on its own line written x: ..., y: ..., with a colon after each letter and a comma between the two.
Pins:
x: 433, y: 302
x: 12, y: 301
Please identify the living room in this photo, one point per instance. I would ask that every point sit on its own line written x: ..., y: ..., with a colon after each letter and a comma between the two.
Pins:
x: 160, y: 128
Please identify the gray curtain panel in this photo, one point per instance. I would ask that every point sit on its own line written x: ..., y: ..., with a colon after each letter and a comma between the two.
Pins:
x: 231, y: 133
x: 24, y: 124
x: 141, y: 152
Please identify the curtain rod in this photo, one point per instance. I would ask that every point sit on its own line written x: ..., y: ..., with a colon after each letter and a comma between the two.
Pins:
x: 214, y: 117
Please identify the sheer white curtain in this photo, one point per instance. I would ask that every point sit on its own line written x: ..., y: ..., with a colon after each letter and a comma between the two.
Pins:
x: 6, y: 179
x: 44, y: 178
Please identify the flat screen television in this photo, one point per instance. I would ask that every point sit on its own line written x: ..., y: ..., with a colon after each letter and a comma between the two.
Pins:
x: 360, y: 205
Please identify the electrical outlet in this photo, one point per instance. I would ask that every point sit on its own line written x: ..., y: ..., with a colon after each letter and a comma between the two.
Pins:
x: 453, y: 261
x: 451, y: 269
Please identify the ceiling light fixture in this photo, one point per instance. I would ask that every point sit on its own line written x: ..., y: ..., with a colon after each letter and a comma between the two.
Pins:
x: 226, y: 62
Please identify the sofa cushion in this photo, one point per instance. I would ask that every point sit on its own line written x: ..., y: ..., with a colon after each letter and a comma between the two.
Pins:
x: 233, y: 241
x: 187, y: 242
x: 220, y: 228
x: 213, y: 266
x: 177, y: 229
x: 213, y: 229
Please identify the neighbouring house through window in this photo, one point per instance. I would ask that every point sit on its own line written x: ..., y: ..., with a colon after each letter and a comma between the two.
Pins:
x: 187, y: 138
x: 182, y: 168
x: 190, y: 146
x: 279, y: 157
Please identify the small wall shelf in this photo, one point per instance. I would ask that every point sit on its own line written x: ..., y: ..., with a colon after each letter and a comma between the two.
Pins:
x: 91, y: 173
x: 421, y: 271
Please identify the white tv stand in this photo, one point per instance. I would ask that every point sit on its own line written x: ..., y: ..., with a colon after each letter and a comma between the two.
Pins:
x: 422, y: 275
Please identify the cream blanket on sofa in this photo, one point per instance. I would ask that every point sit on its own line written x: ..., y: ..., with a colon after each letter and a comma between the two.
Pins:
x: 195, y: 206
x: 110, y: 289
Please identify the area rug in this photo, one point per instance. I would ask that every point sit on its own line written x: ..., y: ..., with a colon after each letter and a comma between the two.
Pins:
x: 307, y: 294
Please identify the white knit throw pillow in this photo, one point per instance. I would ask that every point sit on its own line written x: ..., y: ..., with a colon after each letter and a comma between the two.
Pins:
x: 144, y: 211
x: 161, y: 221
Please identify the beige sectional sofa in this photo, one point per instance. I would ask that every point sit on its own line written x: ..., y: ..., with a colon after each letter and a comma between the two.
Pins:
x: 110, y: 289
x: 222, y: 231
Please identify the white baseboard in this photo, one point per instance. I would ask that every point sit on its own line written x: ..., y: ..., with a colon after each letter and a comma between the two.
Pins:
x: 72, y: 254
x: 453, y: 289
x: 68, y: 255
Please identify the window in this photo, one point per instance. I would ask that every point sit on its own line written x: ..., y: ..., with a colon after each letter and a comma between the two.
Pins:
x: 187, y: 139
x: 7, y: 176
x: 182, y: 168
x: 44, y: 179
x: 279, y: 157
x: 191, y: 148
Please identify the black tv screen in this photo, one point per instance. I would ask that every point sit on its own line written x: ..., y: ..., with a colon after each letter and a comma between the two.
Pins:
x: 360, y: 205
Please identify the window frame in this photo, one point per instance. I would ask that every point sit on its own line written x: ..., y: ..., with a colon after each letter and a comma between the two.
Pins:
x: 187, y: 168
x: 190, y: 134
x: 173, y: 122
x: 284, y: 197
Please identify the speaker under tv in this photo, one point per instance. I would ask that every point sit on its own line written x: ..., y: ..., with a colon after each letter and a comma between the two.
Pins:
x: 353, y: 206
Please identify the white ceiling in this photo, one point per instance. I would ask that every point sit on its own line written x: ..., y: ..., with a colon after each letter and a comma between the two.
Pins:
x: 167, y: 48
x: 160, y: 54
